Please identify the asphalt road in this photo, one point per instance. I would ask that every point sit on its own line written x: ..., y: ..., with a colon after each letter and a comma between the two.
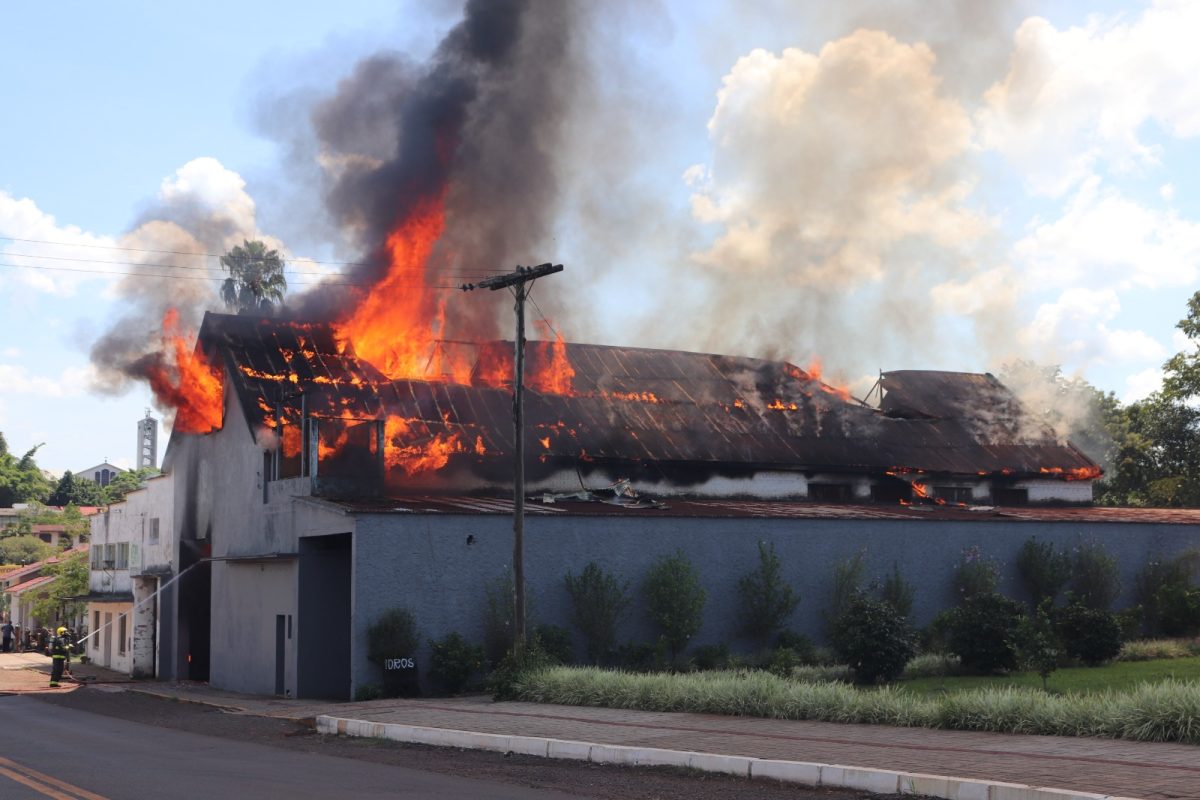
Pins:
x: 66, y: 754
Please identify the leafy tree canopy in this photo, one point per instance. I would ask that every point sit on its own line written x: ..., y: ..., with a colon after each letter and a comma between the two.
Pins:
x: 72, y: 574
x: 126, y: 482
x: 255, y: 284
x: 20, y: 479
x: 80, y: 491
x: 24, y: 549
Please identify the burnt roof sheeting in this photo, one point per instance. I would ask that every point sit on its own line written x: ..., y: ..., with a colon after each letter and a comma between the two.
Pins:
x: 704, y: 409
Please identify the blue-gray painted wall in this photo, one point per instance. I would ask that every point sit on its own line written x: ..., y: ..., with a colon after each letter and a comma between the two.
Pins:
x: 424, y: 563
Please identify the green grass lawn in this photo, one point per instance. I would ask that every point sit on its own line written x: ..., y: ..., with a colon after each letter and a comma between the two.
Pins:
x: 1117, y: 675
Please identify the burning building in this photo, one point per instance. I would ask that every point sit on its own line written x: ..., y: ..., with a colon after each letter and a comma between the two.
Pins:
x: 672, y: 423
x: 313, y: 491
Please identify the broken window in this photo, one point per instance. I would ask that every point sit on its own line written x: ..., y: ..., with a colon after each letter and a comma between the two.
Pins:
x: 953, y: 494
x: 1010, y: 497
x: 829, y: 492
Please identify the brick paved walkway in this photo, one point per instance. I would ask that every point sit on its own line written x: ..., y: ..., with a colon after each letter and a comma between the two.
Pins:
x: 1132, y: 769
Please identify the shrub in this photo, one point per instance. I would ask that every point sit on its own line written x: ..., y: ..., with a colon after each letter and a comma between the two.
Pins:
x: 368, y: 691
x: 798, y: 643
x: 766, y: 599
x: 598, y: 603
x: 981, y: 632
x: 641, y: 657
x: 453, y: 662
x: 932, y: 665
x: 515, y: 666
x: 1095, y: 579
x: 675, y: 599
x: 1038, y: 644
x: 874, y: 640
x: 556, y: 641
x: 897, y: 592
x: 1153, y: 649
x: 711, y: 656
x: 393, y: 634
x: 1169, y: 599
x: 1043, y: 569
x: 975, y: 575
x: 782, y: 661
x: 847, y: 584
x: 1088, y: 634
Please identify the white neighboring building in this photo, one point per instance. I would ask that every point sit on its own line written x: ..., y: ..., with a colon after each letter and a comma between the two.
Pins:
x: 132, y: 554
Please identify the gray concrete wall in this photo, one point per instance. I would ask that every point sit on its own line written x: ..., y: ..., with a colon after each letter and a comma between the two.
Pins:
x: 246, y: 599
x: 425, y: 564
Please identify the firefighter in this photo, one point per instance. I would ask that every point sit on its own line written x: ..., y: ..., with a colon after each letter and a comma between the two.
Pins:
x: 60, y: 655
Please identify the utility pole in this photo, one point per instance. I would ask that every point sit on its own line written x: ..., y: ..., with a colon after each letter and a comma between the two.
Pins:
x: 520, y: 281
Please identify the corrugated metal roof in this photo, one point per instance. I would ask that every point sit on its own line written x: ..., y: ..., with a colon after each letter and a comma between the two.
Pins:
x: 654, y: 407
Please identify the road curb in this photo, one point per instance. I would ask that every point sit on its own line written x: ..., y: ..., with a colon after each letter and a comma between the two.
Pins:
x: 837, y: 776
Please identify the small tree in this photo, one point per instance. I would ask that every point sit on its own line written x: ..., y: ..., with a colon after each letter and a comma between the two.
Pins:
x: 1168, y: 595
x: 675, y: 599
x: 975, y: 575
x: 847, y: 585
x: 897, y: 592
x: 1038, y: 645
x: 981, y: 632
x: 874, y: 639
x: 1043, y: 569
x: 598, y: 603
x: 453, y: 661
x: 1096, y: 580
x: 71, y: 580
x: 392, y: 635
x: 766, y: 598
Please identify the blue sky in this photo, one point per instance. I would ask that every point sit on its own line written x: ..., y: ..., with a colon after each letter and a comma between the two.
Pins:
x: 1055, y: 215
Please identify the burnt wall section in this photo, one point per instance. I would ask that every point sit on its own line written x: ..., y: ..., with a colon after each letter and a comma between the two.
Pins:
x: 438, y: 565
x: 323, y: 658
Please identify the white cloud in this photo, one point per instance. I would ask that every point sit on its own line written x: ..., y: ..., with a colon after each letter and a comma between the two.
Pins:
x: 71, y: 382
x: 1075, y: 331
x: 57, y: 268
x: 1077, y: 99
x: 1141, y: 385
x: 1181, y: 343
x: 1106, y: 238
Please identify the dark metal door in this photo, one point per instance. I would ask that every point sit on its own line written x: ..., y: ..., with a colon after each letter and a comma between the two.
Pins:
x: 280, y: 643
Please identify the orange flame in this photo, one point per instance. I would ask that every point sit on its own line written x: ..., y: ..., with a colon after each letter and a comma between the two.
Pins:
x: 396, y: 325
x: 1076, y: 474
x: 190, y: 385
x: 552, y: 372
x: 412, y: 454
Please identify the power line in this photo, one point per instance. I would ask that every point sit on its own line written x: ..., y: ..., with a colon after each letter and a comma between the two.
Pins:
x: 101, y: 272
x: 211, y: 269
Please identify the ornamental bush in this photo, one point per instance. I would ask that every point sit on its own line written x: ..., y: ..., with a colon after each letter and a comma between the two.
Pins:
x: 1044, y: 570
x: 874, y: 639
x: 599, y: 601
x: 767, y: 600
x: 1169, y: 598
x: 453, y: 662
x: 675, y: 599
x: 975, y: 575
x: 392, y: 635
x: 982, y: 632
x: 1095, y: 578
x: 1089, y: 634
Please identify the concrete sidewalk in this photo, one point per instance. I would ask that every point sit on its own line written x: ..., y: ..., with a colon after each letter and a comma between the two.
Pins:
x: 992, y: 766
x: 1106, y: 767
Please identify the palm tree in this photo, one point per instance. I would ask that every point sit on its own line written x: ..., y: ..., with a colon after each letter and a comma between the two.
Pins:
x: 256, y: 282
